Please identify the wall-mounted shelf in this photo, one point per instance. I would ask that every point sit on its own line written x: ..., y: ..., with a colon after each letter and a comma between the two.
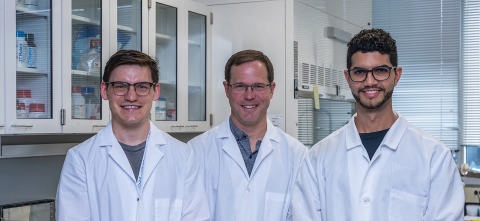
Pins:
x: 30, y: 71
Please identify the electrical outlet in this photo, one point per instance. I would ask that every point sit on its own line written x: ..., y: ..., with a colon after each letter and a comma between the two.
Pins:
x: 472, y: 194
x: 475, y: 192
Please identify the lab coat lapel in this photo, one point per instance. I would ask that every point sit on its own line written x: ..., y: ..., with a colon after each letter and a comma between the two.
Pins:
x: 230, y: 146
x: 116, y: 152
x: 153, y: 154
x: 266, y: 147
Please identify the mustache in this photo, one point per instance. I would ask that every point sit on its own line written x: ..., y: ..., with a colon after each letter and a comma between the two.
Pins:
x: 369, y: 87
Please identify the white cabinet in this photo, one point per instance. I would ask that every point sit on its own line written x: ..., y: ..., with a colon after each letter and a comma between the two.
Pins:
x: 32, y: 76
x: 181, y: 44
x: 60, y: 91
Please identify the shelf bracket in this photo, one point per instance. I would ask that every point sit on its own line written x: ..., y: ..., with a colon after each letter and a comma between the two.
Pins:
x: 149, y: 3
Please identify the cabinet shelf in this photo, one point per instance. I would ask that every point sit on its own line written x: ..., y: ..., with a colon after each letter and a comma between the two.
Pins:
x: 85, y: 20
x: 166, y: 82
x: 125, y: 28
x: 26, y: 11
x: 30, y: 71
x: 85, y: 73
x: 164, y: 38
x: 194, y: 43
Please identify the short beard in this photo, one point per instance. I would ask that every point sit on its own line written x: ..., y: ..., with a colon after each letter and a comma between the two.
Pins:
x: 387, y: 97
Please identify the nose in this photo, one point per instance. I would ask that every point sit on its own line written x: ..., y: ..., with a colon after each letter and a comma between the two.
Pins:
x: 131, y: 95
x: 370, y: 79
x: 249, y: 94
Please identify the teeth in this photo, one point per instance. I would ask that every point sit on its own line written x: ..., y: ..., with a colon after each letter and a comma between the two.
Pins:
x: 371, y: 92
x: 130, y: 107
x: 249, y: 106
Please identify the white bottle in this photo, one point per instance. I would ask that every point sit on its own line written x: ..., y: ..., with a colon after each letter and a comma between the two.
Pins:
x: 31, y: 4
x: 161, y: 109
x: 78, y: 103
x: 92, y: 103
x: 22, y: 50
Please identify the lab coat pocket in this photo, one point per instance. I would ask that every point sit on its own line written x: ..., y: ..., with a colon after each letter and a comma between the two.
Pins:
x: 274, y: 206
x: 405, y: 206
x: 168, y: 209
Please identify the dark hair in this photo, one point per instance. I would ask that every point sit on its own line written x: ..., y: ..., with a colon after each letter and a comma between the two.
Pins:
x: 247, y: 56
x: 370, y: 40
x: 131, y: 57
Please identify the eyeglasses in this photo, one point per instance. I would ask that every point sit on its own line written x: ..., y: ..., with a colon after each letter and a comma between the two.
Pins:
x: 121, y: 88
x: 379, y: 73
x: 241, y: 88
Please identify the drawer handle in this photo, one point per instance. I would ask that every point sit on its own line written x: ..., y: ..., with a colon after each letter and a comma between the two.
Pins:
x: 99, y: 125
x: 191, y: 126
x: 21, y: 125
x: 1, y: 125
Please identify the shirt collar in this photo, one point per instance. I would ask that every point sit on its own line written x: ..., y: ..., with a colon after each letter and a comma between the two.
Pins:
x: 224, y: 131
x: 107, y: 138
x: 391, y: 140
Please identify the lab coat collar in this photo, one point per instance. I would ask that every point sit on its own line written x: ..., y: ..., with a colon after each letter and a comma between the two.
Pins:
x: 395, y: 134
x: 232, y: 149
x: 152, y: 156
x: 391, y: 140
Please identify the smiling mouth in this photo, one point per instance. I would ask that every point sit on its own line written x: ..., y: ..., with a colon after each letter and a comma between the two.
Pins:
x: 130, y: 107
x: 249, y: 106
x: 371, y: 92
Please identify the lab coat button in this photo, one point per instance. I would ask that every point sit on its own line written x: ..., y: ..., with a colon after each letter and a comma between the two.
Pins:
x: 248, y: 189
x: 138, y: 199
x: 366, y: 200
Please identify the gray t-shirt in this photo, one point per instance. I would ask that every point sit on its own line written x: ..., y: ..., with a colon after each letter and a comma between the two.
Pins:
x: 134, y: 156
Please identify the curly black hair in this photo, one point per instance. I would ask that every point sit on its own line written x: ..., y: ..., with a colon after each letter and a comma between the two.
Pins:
x: 370, y: 40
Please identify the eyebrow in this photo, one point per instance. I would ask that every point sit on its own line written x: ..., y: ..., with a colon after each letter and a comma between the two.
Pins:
x: 373, y: 67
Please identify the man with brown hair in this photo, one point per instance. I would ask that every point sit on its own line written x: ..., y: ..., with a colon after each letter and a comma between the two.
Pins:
x: 131, y: 170
x: 249, y: 165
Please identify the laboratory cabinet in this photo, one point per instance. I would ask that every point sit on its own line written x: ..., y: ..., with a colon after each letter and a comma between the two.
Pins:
x: 52, y: 84
x: 181, y: 44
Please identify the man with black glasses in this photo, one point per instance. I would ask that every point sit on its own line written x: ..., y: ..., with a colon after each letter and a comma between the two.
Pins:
x: 131, y: 170
x: 249, y: 165
x: 378, y: 166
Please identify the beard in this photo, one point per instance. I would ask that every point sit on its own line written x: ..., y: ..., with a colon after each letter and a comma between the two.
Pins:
x: 386, y: 97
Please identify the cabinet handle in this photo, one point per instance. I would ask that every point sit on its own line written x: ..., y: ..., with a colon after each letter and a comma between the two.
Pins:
x: 1, y: 125
x: 21, y: 125
x: 178, y: 126
x: 99, y: 125
x: 191, y: 126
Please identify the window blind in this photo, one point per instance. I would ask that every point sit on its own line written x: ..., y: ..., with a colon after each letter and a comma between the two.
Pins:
x: 428, y: 44
x: 470, y: 78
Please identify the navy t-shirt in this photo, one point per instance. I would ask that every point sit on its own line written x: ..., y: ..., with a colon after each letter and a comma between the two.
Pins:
x: 371, y: 141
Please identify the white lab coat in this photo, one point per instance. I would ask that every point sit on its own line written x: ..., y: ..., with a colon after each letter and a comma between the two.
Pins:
x: 97, y: 182
x: 412, y: 176
x: 232, y: 194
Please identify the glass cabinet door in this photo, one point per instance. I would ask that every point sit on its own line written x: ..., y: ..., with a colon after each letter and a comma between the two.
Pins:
x: 33, y: 59
x: 129, y: 24
x: 166, y: 54
x: 86, y: 63
x: 197, y: 66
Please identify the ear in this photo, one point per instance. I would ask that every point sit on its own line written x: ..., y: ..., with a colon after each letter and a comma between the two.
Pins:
x: 104, y: 90
x: 272, y: 89
x: 398, y: 74
x: 225, y: 86
x: 156, y: 91
x: 347, y: 76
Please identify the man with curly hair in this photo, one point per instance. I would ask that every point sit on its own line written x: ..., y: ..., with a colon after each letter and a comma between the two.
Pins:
x: 378, y: 166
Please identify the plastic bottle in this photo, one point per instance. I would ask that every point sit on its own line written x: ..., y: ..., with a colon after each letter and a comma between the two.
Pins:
x: 171, y: 112
x: 25, y: 97
x: 160, y: 109
x: 22, y: 47
x: 31, y: 51
x: 78, y: 103
x: 92, y: 103
x: 37, y: 110
x: 31, y: 4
